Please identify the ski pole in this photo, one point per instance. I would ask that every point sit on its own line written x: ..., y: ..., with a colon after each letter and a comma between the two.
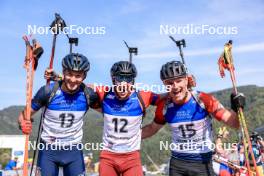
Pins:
x: 226, y: 62
x: 27, y: 115
x: 33, y: 53
x: 233, y: 166
x: 56, y: 26
x: 246, y: 139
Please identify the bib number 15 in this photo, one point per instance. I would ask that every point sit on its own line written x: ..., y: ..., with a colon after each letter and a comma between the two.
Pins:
x: 187, y: 130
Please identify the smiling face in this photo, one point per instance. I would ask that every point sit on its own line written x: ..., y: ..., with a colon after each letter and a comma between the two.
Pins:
x: 177, y: 89
x: 72, y: 80
x: 123, y: 86
x: 123, y: 90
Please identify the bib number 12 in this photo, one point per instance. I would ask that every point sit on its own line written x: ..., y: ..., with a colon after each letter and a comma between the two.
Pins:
x: 120, y: 122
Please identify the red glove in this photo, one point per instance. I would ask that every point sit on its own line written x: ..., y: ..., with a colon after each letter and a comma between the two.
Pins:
x: 25, y: 125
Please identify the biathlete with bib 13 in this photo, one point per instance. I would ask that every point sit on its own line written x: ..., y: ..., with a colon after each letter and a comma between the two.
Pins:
x: 64, y: 105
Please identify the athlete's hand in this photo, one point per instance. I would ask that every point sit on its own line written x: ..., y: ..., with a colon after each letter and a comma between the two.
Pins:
x: 24, y: 125
x: 237, y: 101
x: 50, y: 74
x: 191, y: 81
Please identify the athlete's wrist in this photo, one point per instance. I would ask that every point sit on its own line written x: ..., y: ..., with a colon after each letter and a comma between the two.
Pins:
x: 24, y: 116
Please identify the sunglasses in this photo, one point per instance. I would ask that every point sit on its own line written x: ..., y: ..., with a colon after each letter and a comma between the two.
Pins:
x: 124, y: 78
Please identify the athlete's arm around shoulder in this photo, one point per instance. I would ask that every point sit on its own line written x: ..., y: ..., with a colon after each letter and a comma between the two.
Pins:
x: 158, y: 122
x: 218, y: 111
x: 98, y: 93
x: 151, y: 98
x: 94, y: 102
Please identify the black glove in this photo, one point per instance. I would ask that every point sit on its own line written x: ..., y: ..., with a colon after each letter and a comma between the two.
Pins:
x: 237, y: 101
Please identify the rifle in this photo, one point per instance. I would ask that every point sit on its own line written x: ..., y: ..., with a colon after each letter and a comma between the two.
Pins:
x: 131, y: 50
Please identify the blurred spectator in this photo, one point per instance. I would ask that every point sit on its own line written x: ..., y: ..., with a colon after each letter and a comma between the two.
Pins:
x: 257, y: 146
x: 231, y: 155
x: 12, y: 164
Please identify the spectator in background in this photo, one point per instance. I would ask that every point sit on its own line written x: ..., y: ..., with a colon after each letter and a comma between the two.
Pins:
x: 241, y: 152
x: 257, y: 146
x: 12, y: 164
x: 262, y: 151
x: 231, y: 155
x: 88, y: 163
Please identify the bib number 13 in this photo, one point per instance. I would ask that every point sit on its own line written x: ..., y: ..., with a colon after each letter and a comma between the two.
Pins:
x: 67, y: 120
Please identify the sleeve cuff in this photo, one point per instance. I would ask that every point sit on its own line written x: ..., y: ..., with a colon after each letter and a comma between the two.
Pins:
x: 35, y: 107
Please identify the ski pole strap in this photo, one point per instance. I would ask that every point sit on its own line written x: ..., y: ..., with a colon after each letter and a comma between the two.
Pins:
x: 225, y: 61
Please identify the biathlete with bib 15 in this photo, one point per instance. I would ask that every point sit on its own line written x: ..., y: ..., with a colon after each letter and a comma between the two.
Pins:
x: 190, y: 114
